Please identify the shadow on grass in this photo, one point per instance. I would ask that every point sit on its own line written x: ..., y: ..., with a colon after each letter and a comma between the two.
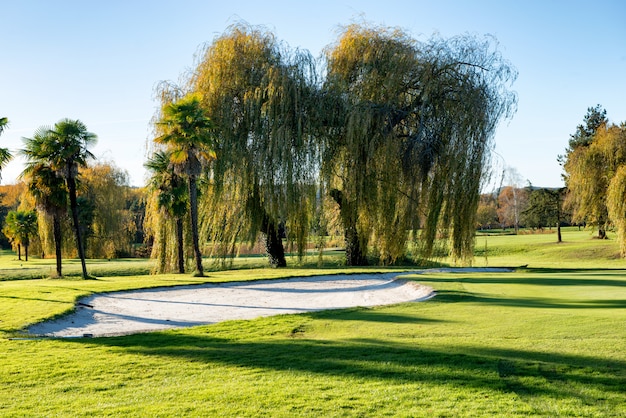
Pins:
x: 455, y: 296
x: 372, y: 315
x: 526, y: 373
x: 541, y: 277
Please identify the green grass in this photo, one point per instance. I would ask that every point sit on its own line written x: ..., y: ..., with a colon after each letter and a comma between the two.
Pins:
x: 548, y: 340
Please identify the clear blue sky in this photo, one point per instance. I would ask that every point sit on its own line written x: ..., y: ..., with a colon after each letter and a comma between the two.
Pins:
x: 98, y: 61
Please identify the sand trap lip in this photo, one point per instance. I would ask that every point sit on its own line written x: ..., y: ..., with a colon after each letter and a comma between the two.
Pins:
x: 137, y: 311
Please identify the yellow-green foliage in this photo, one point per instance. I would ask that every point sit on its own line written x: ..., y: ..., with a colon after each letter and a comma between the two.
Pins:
x: 258, y: 93
x: 595, y: 179
x: 616, y: 202
x: 113, y: 227
x: 410, y: 126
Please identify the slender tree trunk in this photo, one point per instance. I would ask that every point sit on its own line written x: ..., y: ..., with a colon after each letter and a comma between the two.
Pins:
x: 71, y: 186
x: 56, y: 232
x: 19, y: 252
x: 355, y: 254
x: 25, y: 252
x: 273, y: 244
x: 162, y: 249
x: 179, y: 241
x: 193, y: 209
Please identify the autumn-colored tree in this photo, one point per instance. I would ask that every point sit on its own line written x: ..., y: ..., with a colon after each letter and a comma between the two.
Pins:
x: 20, y: 226
x: 512, y: 201
x: 486, y: 214
x: 589, y: 170
x: 104, y: 188
x: 617, y: 203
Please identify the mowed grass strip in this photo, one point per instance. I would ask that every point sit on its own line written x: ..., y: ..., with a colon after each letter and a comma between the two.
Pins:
x: 542, y: 341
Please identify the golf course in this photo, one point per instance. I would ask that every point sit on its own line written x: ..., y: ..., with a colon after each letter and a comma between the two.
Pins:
x: 546, y: 339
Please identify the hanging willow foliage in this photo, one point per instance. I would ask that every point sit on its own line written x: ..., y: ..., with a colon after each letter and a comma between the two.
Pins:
x: 398, y: 135
x: 166, y: 204
x: 590, y: 169
x: 408, y: 133
x: 594, y: 179
x: 259, y: 94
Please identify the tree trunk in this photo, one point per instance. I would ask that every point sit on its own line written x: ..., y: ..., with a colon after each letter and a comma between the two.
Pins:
x: 71, y: 187
x: 56, y: 232
x: 193, y: 209
x: 273, y: 244
x: 25, y: 252
x: 19, y: 252
x: 179, y: 241
x: 558, y: 232
x: 355, y: 254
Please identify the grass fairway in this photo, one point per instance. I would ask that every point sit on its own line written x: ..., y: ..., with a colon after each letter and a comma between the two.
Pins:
x: 549, y: 340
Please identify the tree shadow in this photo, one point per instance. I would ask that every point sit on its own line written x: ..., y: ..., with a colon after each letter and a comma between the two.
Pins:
x: 456, y: 296
x: 542, y: 277
x: 523, y: 372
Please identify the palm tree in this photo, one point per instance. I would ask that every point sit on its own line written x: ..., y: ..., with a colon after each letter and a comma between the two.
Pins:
x: 187, y: 134
x: 50, y: 195
x: 5, y: 154
x: 171, y: 194
x: 64, y: 149
x: 19, y: 227
x: 46, y: 186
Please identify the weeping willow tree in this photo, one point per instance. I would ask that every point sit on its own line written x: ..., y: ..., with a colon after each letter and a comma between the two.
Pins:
x: 617, y: 205
x: 259, y: 94
x: 105, y: 187
x: 407, y: 139
x: 594, y: 177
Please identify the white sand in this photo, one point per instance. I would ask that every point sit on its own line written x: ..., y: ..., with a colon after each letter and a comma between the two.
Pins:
x: 130, y: 312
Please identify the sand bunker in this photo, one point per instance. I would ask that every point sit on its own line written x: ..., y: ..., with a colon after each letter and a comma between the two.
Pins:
x: 121, y: 313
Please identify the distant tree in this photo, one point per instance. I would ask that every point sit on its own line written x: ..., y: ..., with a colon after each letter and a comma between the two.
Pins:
x: 108, y: 223
x: 616, y: 203
x: 545, y: 208
x: 589, y: 171
x: 486, y: 215
x: 20, y: 226
x: 10, y: 198
x: 593, y: 120
x: 512, y: 201
x: 186, y: 131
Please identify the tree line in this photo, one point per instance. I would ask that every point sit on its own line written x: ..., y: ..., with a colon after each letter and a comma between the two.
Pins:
x: 384, y: 140
x: 594, y: 171
x: 388, y: 138
x: 60, y: 194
